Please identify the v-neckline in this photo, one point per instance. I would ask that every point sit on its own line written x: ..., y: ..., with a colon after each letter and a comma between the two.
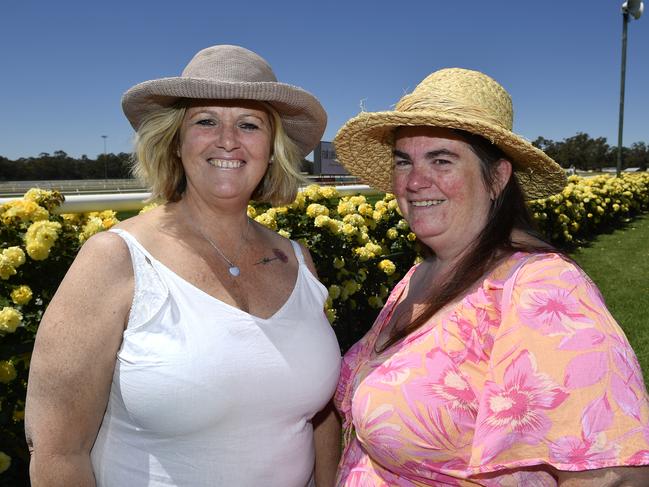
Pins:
x: 216, y: 300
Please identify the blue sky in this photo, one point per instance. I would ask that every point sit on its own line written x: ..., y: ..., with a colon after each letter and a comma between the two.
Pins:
x: 65, y: 64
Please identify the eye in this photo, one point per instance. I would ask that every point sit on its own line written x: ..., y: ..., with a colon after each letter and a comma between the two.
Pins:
x: 400, y: 162
x: 206, y: 122
x: 441, y: 162
x: 248, y: 126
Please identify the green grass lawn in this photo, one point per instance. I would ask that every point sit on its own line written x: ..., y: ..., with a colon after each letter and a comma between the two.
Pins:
x: 618, y: 262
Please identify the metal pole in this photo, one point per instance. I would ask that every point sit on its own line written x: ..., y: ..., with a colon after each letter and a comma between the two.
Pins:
x: 105, y: 162
x: 625, y: 21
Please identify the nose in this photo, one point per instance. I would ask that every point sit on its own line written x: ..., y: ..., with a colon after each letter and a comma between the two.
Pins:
x: 227, y: 138
x: 418, y: 178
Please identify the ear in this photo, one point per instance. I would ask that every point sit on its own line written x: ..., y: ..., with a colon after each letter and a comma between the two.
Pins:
x: 502, y: 175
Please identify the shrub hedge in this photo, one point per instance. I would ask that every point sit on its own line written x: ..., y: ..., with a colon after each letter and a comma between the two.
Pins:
x: 361, y: 249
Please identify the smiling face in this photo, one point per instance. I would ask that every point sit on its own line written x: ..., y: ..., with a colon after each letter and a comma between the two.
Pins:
x: 225, y: 148
x: 439, y: 185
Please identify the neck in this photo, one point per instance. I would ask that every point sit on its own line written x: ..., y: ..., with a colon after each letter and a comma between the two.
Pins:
x: 214, y: 220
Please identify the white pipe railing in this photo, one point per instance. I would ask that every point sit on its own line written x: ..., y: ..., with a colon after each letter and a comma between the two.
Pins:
x: 135, y: 201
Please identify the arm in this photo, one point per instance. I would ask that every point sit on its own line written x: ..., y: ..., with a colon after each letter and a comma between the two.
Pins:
x: 327, y: 437
x: 73, y: 361
x: 605, y: 477
x: 327, y: 427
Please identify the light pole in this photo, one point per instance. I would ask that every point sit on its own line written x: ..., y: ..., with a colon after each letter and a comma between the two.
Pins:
x: 633, y: 8
x: 105, y: 162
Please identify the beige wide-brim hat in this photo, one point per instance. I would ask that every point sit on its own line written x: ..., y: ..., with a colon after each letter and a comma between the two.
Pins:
x: 450, y: 98
x: 227, y: 72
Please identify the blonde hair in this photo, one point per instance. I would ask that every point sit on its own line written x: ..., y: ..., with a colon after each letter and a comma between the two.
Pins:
x: 157, y: 161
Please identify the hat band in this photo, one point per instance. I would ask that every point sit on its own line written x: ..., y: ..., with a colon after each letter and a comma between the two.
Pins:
x: 457, y: 109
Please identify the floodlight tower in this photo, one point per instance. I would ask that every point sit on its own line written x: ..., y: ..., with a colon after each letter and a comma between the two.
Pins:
x: 633, y: 8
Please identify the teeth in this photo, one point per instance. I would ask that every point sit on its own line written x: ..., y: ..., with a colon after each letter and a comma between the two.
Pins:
x: 225, y: 164
x: 427, y: 203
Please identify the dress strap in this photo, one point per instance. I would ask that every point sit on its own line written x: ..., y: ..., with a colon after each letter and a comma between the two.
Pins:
x: 150, y: 290
x: 298, y: 252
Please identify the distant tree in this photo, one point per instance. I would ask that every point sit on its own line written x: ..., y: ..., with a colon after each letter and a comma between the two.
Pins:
x: 637, y: 156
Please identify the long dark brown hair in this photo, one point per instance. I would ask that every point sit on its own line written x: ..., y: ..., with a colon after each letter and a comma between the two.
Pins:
x: 508, y: 212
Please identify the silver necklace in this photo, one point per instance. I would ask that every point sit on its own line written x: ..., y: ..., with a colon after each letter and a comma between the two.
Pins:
x: 232, y: 269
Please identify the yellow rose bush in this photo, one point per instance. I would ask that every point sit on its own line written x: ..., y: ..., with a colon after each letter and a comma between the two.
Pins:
x: 587, y: 206
x: 361, y: 246
x: 36, y: 249
x: 360, y: 249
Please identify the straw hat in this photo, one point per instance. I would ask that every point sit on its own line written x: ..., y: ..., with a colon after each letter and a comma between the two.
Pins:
x: 450, y: 98
x: 231, y: 72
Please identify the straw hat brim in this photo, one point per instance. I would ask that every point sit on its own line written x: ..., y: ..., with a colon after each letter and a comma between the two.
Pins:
x: 365, y: 144
x: 303, y: 118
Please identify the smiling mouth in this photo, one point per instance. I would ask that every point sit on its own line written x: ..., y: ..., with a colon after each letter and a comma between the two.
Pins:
x: 226, y: 163
x: 426, y: 203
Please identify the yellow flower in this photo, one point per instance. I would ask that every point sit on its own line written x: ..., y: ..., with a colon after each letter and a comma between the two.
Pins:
x: 75, y: 218
x: 331, y: 314
x: 93, y: 225
x: 299, y: 202
x: 5, y: 462
x: 10, y: 319
x: 6, y: 269
x: 334, y: 291
x: 40, y: 238
x: 339, y: 263
x: 21, y: 295
x: 375, y: 302
x: 281, y: 210
x: 357, y: 200
x: 7, y: 371
x: 15, y: 255
x: 349, y: 287
x: 24, y: 211
x: 349, y: 229
x: 365, y: 209
x: 312, y: 191
x: 411, y: 237
x: 392, y: 233
x: 149, y: 207
x: 315, y: 209
x: 335, y: 226
x: 329, y: 192
x: 252, y: 212
x: 387, y: 266
x: 354, y: 219
x: 321, y: 221
x: 345, y: 207
x: 284, y: 233
x: 267, y: 220
x: 403, y: 225
x: 377, y: 216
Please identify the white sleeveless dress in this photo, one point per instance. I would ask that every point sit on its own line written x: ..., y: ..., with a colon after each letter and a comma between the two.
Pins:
x: 205, y: 394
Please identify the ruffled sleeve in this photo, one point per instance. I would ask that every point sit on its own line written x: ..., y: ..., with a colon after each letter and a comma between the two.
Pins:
x: 563, y: 386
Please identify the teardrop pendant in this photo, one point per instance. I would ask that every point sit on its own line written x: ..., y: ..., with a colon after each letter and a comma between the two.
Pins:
x: 234, y: 270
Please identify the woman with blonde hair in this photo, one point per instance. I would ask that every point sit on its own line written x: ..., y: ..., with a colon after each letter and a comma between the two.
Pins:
x: 188, y: 346
x: 494, y: 361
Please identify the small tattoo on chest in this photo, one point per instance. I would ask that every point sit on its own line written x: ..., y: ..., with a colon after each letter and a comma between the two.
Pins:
x: 278, y: 255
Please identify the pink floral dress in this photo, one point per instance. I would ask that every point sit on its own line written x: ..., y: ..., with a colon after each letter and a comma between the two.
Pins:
x: 528, y: 369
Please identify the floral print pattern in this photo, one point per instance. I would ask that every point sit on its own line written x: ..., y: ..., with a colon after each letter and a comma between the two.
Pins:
x: 528, y: 369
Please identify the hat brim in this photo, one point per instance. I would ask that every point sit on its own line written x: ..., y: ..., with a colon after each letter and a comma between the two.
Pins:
x: 364, y: 145
x: 303, y: 118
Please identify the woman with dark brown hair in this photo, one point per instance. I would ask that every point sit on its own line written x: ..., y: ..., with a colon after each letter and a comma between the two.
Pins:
x: 494, y: 361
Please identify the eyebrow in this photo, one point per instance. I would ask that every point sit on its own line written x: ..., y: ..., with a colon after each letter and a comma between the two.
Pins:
x: 434, y: 154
